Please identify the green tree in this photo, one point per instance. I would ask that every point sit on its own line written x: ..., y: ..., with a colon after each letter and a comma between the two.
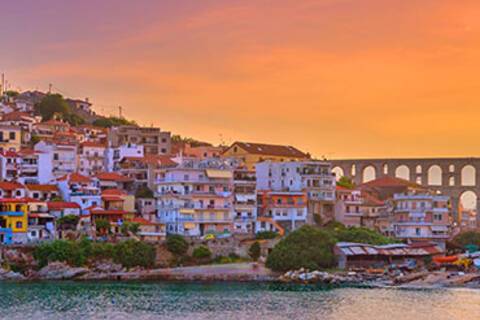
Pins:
x: 132, y: 253
x: 127, y: 227
x: 68, y: 222
x: 361, y: 235
x: 254, y: 251
x: 346, y: 182
x: 177, y: 245
x: 202, y: 252
x: 467, y: 238
x: 102, y: 226
x: 52, y: 104
x: 264, y: 235
x: 307, y: 247
x: 112, y: 122
x: 144, y: 192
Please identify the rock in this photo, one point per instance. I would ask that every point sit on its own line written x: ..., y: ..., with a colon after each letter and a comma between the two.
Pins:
x: 107, y: 267
x: 11, y: 276
x: 59, y: 271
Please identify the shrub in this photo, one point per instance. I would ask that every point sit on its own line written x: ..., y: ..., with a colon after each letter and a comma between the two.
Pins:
x: 361, y: 235
x: 202, y: 252
x: 60, y: 250
x: 262, y: 235
x: 254, y: 251
x: 102, y: 226
x: 307, y: 247
x: 176, y: 244
x: 68, y: 222
x: 132, y: 253
x: 132, y: 227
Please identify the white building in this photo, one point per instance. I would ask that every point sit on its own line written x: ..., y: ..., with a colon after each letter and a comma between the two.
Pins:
x: 196, y: 198
x: 245, y: 201
x: 115, y: 154
x: 80, y: 189
x: 313, y: 177
x: 62, y: 157
x: 91, y: 158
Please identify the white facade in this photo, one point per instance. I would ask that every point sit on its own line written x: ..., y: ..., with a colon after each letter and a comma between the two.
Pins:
x: 63, y: 158
x: 115, y: 155
x: 91, y: 159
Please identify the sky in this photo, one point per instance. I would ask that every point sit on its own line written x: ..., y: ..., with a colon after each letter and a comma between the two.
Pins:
x: 336, y: 78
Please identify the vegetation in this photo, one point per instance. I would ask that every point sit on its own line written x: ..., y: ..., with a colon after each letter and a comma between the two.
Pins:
x: 202, y: 252
x: 361, y: 235
x: 130, y: 253
x: 127, y: 227
x: 112, y: 122
x: 466, y: 240
x: 346, y: 182
x: 11, y: 93
x: 68, y: 222
x: 193, y: 142
x: 263, y: 235
x: 51, y: 105
x: 102, y: 226
x: 177, y: 245
x: 231, y: 258
x: 144, y: 192
x: 254, y: 251
x: 307, y: 247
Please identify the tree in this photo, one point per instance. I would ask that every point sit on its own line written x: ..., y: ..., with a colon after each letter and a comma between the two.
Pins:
x: 112, y: 122
x: 467, y: 238
x: 202, y: 253
x: 102, y: 226
x: 133, y: 253
x: 144, y: 192
x: 176, y: 244
x: 11, y: 93
x: 52, y: 104
x: 361, y: 235
x: 132, y: 227
x: 307, y: 247
x: 254, y: 251
x: 264, y: 235
x: 68, y: 222
x: 346, y: 182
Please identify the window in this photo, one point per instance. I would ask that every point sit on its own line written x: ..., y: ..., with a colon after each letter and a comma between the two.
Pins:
x: 55, y: 156
x: 19, y: 225
x: 11, y: 136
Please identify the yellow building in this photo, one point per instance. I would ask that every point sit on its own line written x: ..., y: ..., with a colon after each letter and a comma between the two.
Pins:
x: 252, y: 153
x: 10, y: 138
x: 13, y: 221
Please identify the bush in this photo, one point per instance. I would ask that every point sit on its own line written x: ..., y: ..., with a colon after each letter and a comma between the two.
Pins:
x: 361, y: 235
x: 307, y: 247
x: 144, y: 192
x: 60, y: 250
x: 263, y: 235
x: 254, y: 251
x: 177, y: 245
x: 202, y: 252
x: 132, y: 227
x: 467, y: 238
x: 68, y: 222
x: 132, y: 253
x: 102, y: 226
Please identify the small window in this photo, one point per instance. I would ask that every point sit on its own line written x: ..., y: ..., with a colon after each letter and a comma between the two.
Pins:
x: 12, y: 136
x: 19, y: 224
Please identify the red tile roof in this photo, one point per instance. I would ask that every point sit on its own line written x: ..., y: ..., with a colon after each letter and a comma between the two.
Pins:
x: 16, y: 116
x: 10, y: 185
x: 270, y: 150
x: 75, y: 177
x: 387, y: 181
x: 113, y: 192
x: 112, y: 176
x: 62, y: 205
x: 42, y: 187
x: 142, y: 221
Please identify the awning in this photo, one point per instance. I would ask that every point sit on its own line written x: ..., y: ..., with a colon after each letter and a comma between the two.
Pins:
x: 219, y: 174
x: 189, y: 225
x: 187, y: 211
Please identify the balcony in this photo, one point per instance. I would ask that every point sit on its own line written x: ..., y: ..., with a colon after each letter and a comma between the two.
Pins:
x: 204, y: 220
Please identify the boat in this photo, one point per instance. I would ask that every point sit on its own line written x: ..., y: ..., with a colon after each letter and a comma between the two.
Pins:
x: 445, y: 259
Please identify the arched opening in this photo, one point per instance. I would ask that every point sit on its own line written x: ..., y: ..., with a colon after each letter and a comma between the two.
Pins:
x: 402, y: 172
x: 468, y: 200
x: 435, y: 176
x: 418, y: 180
x: 353, y: 170
x: 368, y: 174
x: 468, y: 176
x: 451, y: 168
x: 418, y: 169
x: 338, y: 172
x: 385, y: 169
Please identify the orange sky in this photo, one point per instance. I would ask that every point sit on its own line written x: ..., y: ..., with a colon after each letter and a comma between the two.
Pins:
x: 340, y: 78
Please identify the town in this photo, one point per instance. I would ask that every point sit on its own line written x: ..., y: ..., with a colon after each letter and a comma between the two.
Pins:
x: 67, y: 173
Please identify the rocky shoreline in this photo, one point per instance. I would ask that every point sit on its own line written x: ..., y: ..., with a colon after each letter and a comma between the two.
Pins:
x: 247, y: 272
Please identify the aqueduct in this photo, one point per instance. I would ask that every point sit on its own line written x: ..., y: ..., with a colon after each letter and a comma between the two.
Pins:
x: 451, y: 176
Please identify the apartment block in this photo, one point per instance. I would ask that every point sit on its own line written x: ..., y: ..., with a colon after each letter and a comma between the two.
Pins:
x: 153, y: 140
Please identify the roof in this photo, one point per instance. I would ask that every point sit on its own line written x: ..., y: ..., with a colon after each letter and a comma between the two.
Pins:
x: 371, y: 200
x: 75, y: 177
x: 142, y: 221
x: 62, y: 205
x: 10, y: 185
x: 270, y: 149
x: 41, y: 187
x: 17, y: 200
x: 112, y: 176
x: 101, y: 211
x: 93, y: 144
x: 388, y: 181
x: 16, y: 116
x: 113, y: 192
x: 396, y: 249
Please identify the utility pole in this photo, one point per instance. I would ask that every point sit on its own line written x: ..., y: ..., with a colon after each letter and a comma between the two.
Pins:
x: 49, y: 88
x: 120, y: 112
x: 2, y: 84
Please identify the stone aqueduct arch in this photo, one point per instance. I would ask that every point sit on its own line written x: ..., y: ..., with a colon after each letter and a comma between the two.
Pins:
x: 453, y: 174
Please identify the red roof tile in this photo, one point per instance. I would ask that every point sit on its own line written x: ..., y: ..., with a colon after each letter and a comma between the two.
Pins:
x: 112, y: 176
x: 270, y: 150
x: 62, y: 205
x: 75, y: 177
x: 10, y: 185
x: 41, y: 187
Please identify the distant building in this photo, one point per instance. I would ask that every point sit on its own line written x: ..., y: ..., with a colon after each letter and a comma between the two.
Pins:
x: 422, y: 216
x: 80, y: 189
x: 315, y: 178
x: 245, y: 201
x: 252, y: 153
x: 153, y: 140
x: 10, y: 138
x: 91, y: 158
x: 62, y: 157
x: 116, y: 154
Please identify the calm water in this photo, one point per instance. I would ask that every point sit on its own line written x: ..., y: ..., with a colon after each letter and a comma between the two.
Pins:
x: 229, y: 301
